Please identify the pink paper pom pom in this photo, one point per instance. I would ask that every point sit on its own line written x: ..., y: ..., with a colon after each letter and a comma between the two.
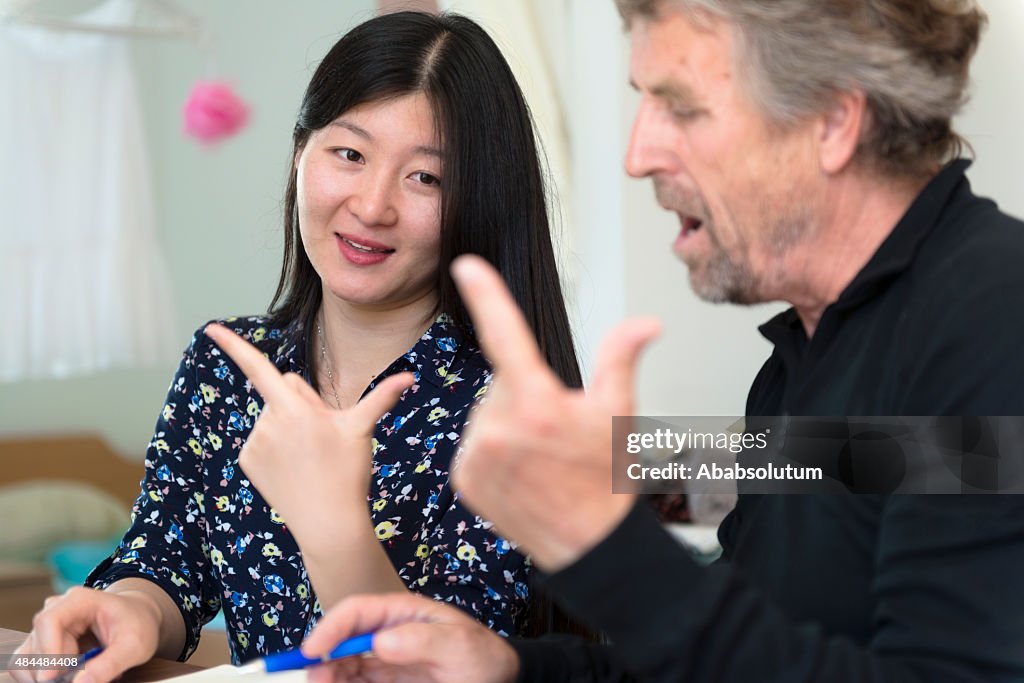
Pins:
x: 213, y: 112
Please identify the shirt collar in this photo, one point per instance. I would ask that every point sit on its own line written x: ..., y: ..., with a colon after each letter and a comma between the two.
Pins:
x: 898, y: 250
x: 895, y: 254
x: 430, y: 358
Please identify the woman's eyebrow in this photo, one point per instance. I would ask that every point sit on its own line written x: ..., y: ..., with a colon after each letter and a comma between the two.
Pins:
x: 432, y: 151
x: 365, y: 134
x: 348, y: 125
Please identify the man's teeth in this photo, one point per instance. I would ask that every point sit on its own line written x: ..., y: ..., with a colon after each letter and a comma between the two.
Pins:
x: 364, y: 248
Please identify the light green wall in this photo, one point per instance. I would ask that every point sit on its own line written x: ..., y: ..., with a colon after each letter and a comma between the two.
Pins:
x: 218, y: 210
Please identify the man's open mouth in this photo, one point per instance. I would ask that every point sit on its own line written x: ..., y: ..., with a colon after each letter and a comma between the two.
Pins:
x: 691, y: 225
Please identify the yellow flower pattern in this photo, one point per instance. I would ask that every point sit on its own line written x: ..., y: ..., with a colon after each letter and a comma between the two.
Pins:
x: 204, y: 533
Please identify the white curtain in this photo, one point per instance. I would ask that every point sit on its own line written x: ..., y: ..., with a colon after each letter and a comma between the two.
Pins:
x: 83, y: 286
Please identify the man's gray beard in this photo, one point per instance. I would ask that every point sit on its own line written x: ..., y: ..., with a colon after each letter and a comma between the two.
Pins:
x: 721, y: 281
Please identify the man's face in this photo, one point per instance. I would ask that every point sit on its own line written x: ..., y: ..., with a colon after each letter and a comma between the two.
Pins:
x: 743, y: 190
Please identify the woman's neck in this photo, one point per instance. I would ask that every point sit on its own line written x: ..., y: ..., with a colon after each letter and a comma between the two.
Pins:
x: 361, y: 342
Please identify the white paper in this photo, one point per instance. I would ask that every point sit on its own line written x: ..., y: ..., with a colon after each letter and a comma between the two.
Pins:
x: 227, y: 673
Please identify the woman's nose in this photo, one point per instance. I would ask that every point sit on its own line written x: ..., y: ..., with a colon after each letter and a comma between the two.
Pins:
x: 373, y: 201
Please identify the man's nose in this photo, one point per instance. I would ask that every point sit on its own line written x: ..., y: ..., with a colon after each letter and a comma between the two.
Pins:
x: 649, y: 141
x: 373, y: 201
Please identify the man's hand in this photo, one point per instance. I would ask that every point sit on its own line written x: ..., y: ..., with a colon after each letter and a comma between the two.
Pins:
x: 417, y: 640
x: 302, y: 452
x: 537, y: 457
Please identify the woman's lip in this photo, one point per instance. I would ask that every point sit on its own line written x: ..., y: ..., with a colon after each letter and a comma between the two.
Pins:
x: 364, y: 242
x: 359, y: 257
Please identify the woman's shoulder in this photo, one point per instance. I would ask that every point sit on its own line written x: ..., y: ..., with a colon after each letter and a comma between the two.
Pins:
x: 273, y: 339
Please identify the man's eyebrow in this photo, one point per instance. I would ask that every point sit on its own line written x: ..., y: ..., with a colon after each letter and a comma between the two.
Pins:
x: 365, y: 134
x: 675, y: 92
x: 678, y: 93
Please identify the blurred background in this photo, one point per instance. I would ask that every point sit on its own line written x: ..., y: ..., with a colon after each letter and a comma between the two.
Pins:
x: 199, y: 233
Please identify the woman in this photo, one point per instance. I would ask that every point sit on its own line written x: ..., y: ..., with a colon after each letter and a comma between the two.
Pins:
x: 413, y: 145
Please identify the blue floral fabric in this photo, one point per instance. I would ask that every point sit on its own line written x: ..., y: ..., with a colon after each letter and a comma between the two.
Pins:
x: 206, y: 536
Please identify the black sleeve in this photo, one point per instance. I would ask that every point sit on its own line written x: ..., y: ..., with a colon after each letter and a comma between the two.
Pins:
x: 942, y: 614
x: 561, y: 657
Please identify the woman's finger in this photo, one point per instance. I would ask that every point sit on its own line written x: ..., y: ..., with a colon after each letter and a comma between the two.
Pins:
x: 379, y: 401
x: 260, y: 371
x: 300, y: 386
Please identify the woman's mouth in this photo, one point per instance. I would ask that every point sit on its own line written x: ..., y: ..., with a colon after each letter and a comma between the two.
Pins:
x: 368, y: 246
x: 362, y: 252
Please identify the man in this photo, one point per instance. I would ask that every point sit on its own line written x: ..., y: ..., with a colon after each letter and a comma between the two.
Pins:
x: 804, y: 146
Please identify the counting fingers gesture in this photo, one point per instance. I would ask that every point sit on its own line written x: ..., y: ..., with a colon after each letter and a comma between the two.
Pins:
x: 302, y: 452
x: 537, y: 455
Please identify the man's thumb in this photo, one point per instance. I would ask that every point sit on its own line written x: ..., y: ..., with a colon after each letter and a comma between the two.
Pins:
x: 617, y: 359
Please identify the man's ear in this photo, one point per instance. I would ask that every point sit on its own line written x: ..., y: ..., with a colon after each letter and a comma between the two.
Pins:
x: 841, y: 128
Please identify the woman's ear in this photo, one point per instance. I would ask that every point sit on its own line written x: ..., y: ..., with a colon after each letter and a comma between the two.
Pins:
x: 841, y: 129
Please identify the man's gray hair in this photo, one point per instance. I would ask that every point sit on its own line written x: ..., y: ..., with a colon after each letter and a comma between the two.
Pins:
x: 910, y: 57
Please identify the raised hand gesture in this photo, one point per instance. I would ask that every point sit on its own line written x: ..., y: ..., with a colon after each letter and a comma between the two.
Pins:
x: 537, y: 458
x: 301, y: 452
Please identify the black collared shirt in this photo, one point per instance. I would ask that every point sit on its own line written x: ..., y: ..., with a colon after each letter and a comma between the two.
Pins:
x: 844, y: 588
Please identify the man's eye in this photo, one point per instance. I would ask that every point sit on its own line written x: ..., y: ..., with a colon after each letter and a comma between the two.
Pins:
x: 350, y: 155
x: 685, y: 114
x: 426, y: 178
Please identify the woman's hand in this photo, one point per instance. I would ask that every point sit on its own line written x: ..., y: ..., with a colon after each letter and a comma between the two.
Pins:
x: 416, y: 640
x: 128, y: 622
x: 302, y: 453
x: 312, y: 463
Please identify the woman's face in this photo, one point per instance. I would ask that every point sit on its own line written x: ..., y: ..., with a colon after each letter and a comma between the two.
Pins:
x: 369, y: 202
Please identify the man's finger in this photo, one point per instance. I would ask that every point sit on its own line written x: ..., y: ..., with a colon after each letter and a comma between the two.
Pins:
x: 365, y: 613
x: 260, y: 371
x: 413, y: 643
x: 381, y: 399
x: 501, y: 328
x: 346, y: 670
x: 615, y: 369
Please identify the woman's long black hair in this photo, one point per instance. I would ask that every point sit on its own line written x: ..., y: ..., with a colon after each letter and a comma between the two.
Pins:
x: 493, y: 196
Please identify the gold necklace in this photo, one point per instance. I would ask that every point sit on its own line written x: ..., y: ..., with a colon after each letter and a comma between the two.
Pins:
x: 327, y: 364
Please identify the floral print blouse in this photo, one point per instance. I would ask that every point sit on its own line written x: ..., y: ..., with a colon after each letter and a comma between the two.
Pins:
x: 206, y: 536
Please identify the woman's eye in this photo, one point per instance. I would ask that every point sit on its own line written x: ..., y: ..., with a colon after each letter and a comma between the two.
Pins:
x: 350, y: 155
x: 426, y: 178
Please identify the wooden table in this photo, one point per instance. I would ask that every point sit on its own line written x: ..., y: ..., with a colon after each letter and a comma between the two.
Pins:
x: 154, y: 670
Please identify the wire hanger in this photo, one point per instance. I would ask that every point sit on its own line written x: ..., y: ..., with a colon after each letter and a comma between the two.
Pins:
x: 175, y: 22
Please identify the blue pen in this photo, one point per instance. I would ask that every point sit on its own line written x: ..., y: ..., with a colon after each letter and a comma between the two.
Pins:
x: 70, y: 673
x: 294, y: 659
